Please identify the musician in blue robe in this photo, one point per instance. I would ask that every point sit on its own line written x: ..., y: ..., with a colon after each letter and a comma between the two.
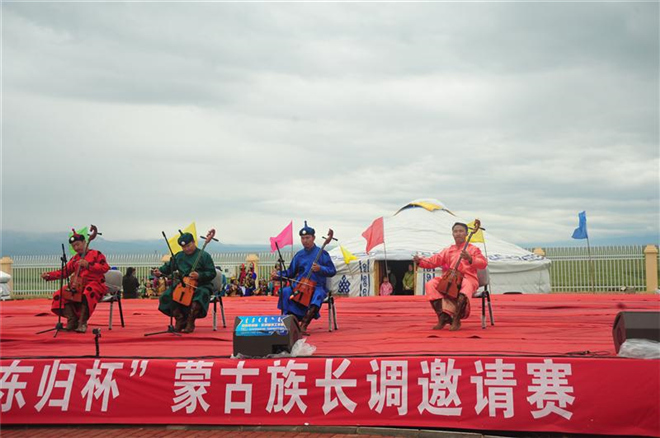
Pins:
x: 305, y: 263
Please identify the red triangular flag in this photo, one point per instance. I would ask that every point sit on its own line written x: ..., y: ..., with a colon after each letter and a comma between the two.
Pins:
x: 374, y: 234
x: 283, y: 239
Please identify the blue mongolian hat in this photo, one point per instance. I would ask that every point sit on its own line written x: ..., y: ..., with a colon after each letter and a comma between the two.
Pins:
x: 185, y: 239
x: 306, y: 230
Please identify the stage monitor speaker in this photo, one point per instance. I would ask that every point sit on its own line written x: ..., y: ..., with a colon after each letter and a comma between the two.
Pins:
x: 259, y: 336
x: 636, y: 325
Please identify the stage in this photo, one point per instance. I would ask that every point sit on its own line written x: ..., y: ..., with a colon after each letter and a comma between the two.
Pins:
x: 548, y: 365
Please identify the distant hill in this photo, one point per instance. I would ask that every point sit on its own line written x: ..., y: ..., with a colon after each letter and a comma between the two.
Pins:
x: 19, y: 243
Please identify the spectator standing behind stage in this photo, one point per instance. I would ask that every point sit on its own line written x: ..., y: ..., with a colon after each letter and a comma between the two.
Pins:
x: 386, y: 287
x: 223, y: 277
x: 392, y: 278
x: 409, y: 281
x: 250, y: 281
x: 241, y: 276
x: 130, y: 284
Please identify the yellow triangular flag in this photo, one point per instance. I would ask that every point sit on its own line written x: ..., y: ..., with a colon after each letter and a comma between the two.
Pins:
x: 478, y: 236
x: 348, y: 256
x: 174, y: 244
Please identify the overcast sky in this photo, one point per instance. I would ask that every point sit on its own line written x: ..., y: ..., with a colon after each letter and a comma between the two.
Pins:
x: 142, y: 117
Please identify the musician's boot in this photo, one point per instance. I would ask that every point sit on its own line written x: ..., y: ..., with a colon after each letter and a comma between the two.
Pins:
x: 304, y: 323
x: 195, y: 312
x: 461, y: 303
x: 179, y: 318
x: 71, y: 318
x: 443, y: 318
x: 84, y: 316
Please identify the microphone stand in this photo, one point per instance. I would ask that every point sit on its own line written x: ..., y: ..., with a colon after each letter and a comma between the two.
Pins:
x: 280, y: 261
x: 63, y: 270
x: 175, y: 275
x: 97, y: 336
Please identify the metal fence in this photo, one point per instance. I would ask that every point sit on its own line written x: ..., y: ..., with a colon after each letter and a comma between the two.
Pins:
x: 29, y: 284
x: 610, y: 269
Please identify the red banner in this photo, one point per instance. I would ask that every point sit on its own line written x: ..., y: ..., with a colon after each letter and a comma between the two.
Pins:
x: 592, y: 396
x: 375, y: 234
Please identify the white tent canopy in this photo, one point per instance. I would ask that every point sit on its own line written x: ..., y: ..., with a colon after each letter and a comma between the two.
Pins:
x: 424, y: 226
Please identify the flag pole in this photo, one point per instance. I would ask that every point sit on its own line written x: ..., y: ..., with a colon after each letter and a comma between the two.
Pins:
x: 385, y: 250
x: 291, y: 241
x: 591, y: 268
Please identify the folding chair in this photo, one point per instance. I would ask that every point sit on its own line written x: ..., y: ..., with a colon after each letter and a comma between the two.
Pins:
x: 332, y: 311
x: 484, y: 281
x: 217, y: 298
x: 113, y: 281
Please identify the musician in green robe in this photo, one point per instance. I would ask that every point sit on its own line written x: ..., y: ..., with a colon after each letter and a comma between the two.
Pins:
x: 204, y: 271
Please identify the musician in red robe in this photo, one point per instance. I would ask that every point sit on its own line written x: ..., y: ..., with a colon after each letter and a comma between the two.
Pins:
x: 447, y: 308
x: 92, y: 279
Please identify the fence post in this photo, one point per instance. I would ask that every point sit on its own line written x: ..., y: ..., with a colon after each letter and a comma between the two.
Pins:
x: 651, y: 256
x: 539, y: 252
x: 6, y: 267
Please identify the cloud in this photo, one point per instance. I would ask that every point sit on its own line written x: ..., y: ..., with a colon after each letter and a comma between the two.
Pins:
x: 141, y: 117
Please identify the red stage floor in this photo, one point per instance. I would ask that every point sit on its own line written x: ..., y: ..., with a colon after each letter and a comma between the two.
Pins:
x: 525, y: 325
x: 547, y: 365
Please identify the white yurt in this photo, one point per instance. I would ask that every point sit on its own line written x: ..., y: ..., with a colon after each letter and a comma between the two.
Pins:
x: 424, y: 227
